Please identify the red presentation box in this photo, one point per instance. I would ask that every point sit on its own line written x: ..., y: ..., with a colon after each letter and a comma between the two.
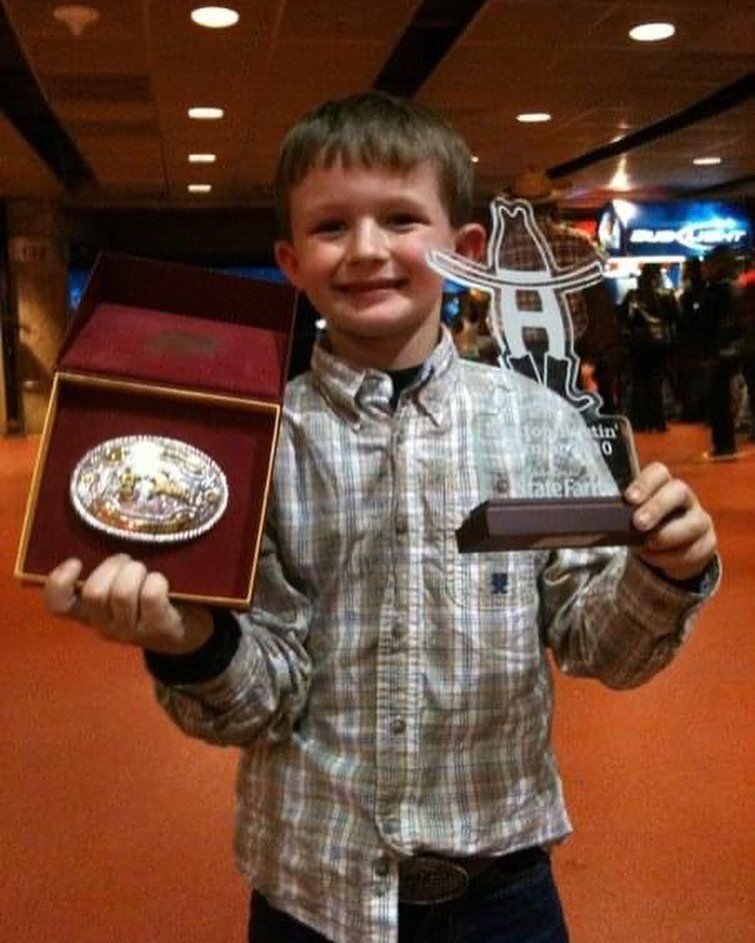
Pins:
x: 171, y: 350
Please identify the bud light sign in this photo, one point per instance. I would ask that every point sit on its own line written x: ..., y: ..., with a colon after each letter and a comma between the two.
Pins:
x: 672, y: 228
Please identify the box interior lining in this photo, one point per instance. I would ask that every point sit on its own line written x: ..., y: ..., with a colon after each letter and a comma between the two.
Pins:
x: 146, y: 344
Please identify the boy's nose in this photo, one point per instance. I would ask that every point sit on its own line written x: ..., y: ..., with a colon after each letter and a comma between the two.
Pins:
x: 367, y: 242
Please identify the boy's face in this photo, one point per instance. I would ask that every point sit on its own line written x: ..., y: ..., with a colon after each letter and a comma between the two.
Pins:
x: 359, y: 237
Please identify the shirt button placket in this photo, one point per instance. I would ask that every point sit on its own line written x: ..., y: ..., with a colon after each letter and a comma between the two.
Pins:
x: 395, y: 722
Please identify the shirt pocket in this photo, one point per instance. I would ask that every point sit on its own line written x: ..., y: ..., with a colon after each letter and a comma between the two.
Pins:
x: 486, y: 582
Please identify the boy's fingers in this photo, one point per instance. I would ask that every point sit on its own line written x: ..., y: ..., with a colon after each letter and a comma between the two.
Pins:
x: 672, y: 499
x: 680, y: 537
x: 156, y: 612
x: 124, y: 597
x: 61, y: 598
x: 168, y: 628
x: 126, y: 603
x: 678, y: 530
x: 95, y: 593
x: 649, y: 480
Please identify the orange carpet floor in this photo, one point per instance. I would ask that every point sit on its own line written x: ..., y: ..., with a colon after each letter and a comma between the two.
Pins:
x: 115, y: 828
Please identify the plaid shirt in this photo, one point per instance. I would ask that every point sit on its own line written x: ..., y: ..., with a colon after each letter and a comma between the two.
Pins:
x: 388, y: 694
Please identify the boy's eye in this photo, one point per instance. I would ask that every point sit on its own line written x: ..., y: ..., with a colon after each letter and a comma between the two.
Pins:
x: 328, y: 226
x: 404, y: 220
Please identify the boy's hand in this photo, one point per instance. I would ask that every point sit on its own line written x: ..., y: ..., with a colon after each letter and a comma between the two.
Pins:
x: 681, y: 540
x: 125, y: 603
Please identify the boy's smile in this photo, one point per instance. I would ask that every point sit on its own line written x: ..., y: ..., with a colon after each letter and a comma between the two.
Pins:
x: 359, y: 237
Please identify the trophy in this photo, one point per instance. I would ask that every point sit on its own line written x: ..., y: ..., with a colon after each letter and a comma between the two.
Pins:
x: 533, y: 303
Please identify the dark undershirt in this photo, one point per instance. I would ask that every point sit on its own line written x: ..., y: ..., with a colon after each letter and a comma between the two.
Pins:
x: 402, y: 379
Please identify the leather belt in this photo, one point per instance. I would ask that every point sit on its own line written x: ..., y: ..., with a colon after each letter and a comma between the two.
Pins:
x: 432, y: 879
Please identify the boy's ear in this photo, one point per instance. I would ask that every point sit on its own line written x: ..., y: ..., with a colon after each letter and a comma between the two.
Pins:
x: 470, y: 241
x: 287, y: 261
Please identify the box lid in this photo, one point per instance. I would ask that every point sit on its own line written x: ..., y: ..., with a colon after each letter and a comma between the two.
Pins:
x: 179, y: 325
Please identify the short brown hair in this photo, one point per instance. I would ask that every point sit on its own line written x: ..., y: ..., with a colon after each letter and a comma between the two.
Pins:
x: 374, y: 129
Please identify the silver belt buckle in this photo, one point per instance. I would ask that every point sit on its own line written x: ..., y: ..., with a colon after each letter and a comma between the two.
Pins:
x: 428, y: 880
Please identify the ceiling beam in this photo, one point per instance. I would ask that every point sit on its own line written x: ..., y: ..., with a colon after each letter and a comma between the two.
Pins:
x: 27, y: 109
x: 432, y: 31
x: 730, y: 96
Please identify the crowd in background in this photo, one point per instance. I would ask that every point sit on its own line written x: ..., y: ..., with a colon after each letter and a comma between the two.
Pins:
x: 661, y: 354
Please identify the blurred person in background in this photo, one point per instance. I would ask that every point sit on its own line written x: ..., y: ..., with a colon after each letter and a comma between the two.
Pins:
x: 649, y: 315
x: 469, y: 327
x: 746, y: 284
x: 722, y: 313
x: 692, y: 363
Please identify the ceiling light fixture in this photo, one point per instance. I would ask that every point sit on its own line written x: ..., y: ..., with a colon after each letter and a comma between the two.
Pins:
x: 202, y: 158
x: 533, y: 117
x: 474, y: 158
x: 205, y: 114
x: 76, y: 16
x: 707, y: 161
x: 199, y: 187
x: 620, y: 180
x: 652, y: 32
x: 215, y: 17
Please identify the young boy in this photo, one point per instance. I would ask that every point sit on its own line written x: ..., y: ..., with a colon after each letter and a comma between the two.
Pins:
x: 391, y: 698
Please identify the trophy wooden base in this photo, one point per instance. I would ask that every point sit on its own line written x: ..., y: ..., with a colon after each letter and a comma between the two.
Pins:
x: 534, y: 524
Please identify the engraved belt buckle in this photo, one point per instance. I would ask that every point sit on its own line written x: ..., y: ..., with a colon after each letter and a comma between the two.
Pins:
x: 428, y: 880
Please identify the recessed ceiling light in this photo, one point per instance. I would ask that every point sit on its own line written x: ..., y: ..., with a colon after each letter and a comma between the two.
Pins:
x: 202, y: 158
x: 206, y: 114
x: 199, y: 187
x: 76, y: 16
x: 707, y: 161
x: 652, y: 32
x: 474, y: 158
x: 215, y: 17
x: 533, y: 117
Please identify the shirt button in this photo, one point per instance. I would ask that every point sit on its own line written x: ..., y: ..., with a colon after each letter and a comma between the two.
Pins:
x: 397, y: 635
x: 402, y: 524
x: 398, y: 725
x: 391, y: 825
x: 382, y: 867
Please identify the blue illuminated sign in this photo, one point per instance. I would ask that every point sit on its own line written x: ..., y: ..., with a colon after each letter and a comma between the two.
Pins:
x: 680, y: 229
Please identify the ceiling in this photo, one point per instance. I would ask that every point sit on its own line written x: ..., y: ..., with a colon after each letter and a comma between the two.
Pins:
x: 100, y: 119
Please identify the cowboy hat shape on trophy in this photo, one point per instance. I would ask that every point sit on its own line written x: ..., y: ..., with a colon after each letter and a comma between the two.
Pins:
x: 508, y: 321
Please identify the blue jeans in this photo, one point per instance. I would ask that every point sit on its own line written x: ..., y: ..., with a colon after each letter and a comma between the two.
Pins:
x: 520, y: 909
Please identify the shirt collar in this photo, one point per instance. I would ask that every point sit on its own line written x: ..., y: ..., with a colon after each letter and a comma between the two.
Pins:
x: 356, y: 391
